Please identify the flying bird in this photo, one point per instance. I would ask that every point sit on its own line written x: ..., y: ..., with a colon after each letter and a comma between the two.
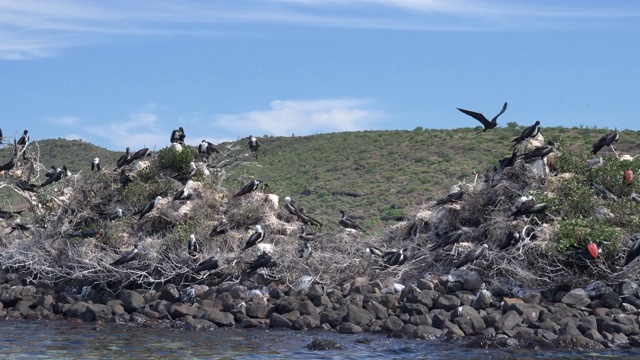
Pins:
x: 127, y: 257
x: 85, y: 233
x: 606, y: 140
x: 254, y: 239
x: 25, y: 186
x: 184, y: 193
x: 483, y: 120
x: 206, y: 265
x: 147, y: 208
x: 95, y: 165
x: 250, y: 187
x: 124, y: 179
x: 264, y: 260
x: 220, y: 228
x: 192, y: 246
x: 348, y: 223
x: 472, y: 255
x: 530, y: 132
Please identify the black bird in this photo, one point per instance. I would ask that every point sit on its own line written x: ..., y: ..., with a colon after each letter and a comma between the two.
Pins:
x: 263, y: 260
x: 9, y: 165
x: 540, y: 151
x: 483, y: 120
x: 530, y: 132
x: 177, y: 136
x: 254, y: 239
x: 291, y: 209
x: 306, y: 235
x: 221, y: 228
x: 85, y: 233
x: 582, y: 255
x: 1, y: 136
x: 250, y: 187
x: 51, y: 172
x: 372, y: 251
x: 254, y: 145
x: 505, y: 162
x: 111, y: 216
x: 603, y: 192
x: 127, y: 257
x: 634, y: 250
x: 4, y: 214
x: 124, y: 178
x: 304, y: 250
x: 446, y: 239
x: 395, y: 258
x: 183, y: 177
x: 306, y: 218
x: 18, y: 226
x: 348, y: 223
x: 147, y: 208
x: 207, y: 148
x: 206, y: 265
x: 472, y: 255
x: 66, y: 172
x: 184, y: 193
x: 95, y: 165
x: 123, y: 160
x: 606, y: 140
x: 511, y: 239
x: 55, y: 177
x: 24, y: 139
x: 22, y: 184
x: 192, y: 246
x: 528, y: 207
x: 138, y: 155
x: 452, y: 197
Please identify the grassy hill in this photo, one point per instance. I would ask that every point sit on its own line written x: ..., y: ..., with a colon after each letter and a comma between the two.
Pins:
x: 393, y: 171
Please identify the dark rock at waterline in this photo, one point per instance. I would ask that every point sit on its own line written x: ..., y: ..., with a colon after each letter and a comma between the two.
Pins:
x: 131, y: 300
x: 447, y: 302
x: 9, y: 296
x: 610, y: 326
x: 218, y: 317
x: 95, y: 312
x: 349, y: 328
x: 468, y: 320
x: 305, y: 322
x: 358, y: 316
x: 278, y: 321
x: 324, y: 344
x: 570, y: 342
x: 508, y: 321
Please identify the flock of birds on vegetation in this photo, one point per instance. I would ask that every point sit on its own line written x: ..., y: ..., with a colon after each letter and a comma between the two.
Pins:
x: 526, y: 205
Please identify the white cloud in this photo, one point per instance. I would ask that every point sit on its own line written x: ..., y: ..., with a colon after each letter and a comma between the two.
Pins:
x: 72, y: 137
x: 63, y: 120
x: 303, y: 117
x: 139, y: 130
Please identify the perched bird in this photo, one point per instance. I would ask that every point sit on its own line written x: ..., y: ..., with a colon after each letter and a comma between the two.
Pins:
x: 55, y: 177
x: 506, y: 162
x: 348, y: 223
x: 192, y: 246
x: 9, y: 165
x: 206, y: 265
x: 147, y: 208
x: 372, y: 251
x: 540, y: 151
x: 483, y: 120
x: 254, y: 239
x: 123, y: 160
x: 18, y: 226
x: 452, y: 197
x: 85, y: 233
x: 606, y: 140
x: 447, y: 239
x: 395, y: 258
x: 264, y: 260
x: 177, y: 136
x: 183, y: 177
x: 304, y: 249
x: 250, y: 187
x: 634, y: 250
x: 25, y: 186
x: 529, y: 207
x: 95, y: 165
x: 51, y: 172
x: 254, y: 145
x: 291, y: 209
x: 305, y: 235
x: 530, y: 132
x: 127, y: 257
x: 306, y: 219
x: 603, y: 192
x: 594, y: 163
x: 511, y: 239
x: 124, y: 178
x: 472, y: 255
x: 635, y: 198
x: 66, y: 172
x: 4, y: 214
x: 111, y: 216
x: 184, y: 193
x: 207, y: 148
x: 138, y: 155
x: 220, y: 228
x: 24, y: 139
x: 582, y: 255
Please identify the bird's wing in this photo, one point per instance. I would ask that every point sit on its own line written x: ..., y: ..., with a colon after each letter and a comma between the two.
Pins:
x: 504, y: 108
x: 476, y: 116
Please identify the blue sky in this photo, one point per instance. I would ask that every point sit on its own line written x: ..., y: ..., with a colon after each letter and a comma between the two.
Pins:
x: 125, y: 73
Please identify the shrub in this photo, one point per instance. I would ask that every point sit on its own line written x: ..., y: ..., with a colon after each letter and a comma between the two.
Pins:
x: 178, y: 161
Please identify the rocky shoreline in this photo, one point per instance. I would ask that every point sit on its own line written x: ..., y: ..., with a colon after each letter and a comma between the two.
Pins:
x: 452, y: 307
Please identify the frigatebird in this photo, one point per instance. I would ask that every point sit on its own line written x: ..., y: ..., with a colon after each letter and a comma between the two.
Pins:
x: 250, y: 187
x: 206, y: 148
x: 18, y: 226
x: 634, y: 250
x: 24, y: 139
x: 606, y: 140
x: 472, y: 255
x: 540, y: 151
x: 184, y: 193
x: 348, y: 223
x: 9, y: 165
x: 452, y: 197
x: 529, y: 207
x: 192, y: 246
x: 124, y: 179
x: 254, y: 239
x: 55, y: 177
x: 147, y: 208
x: 603, y: 192
x: 307, y: 219
x: 221, y: 228
x: 395, y: 258
x: 111, y: 216
x: 177, y: 136
x: 264, y: 260
x: 22, y: 184
x: 306, y: 235
x: 4, y: 214
x: 254, y: 145
x: 206, y: 265
x: 122, y: 160
x: 530, y: 132
x: 511, y: 239
x: 183, y: 177
x: 304, y: 249
x: 127, y: 257
x: 483, y: 120
x: 85, y: 233
x: 291, y: 209
x: 635, y: 198
x: 137, y: 155
x: 447, y: 239
x: 95, y: 165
